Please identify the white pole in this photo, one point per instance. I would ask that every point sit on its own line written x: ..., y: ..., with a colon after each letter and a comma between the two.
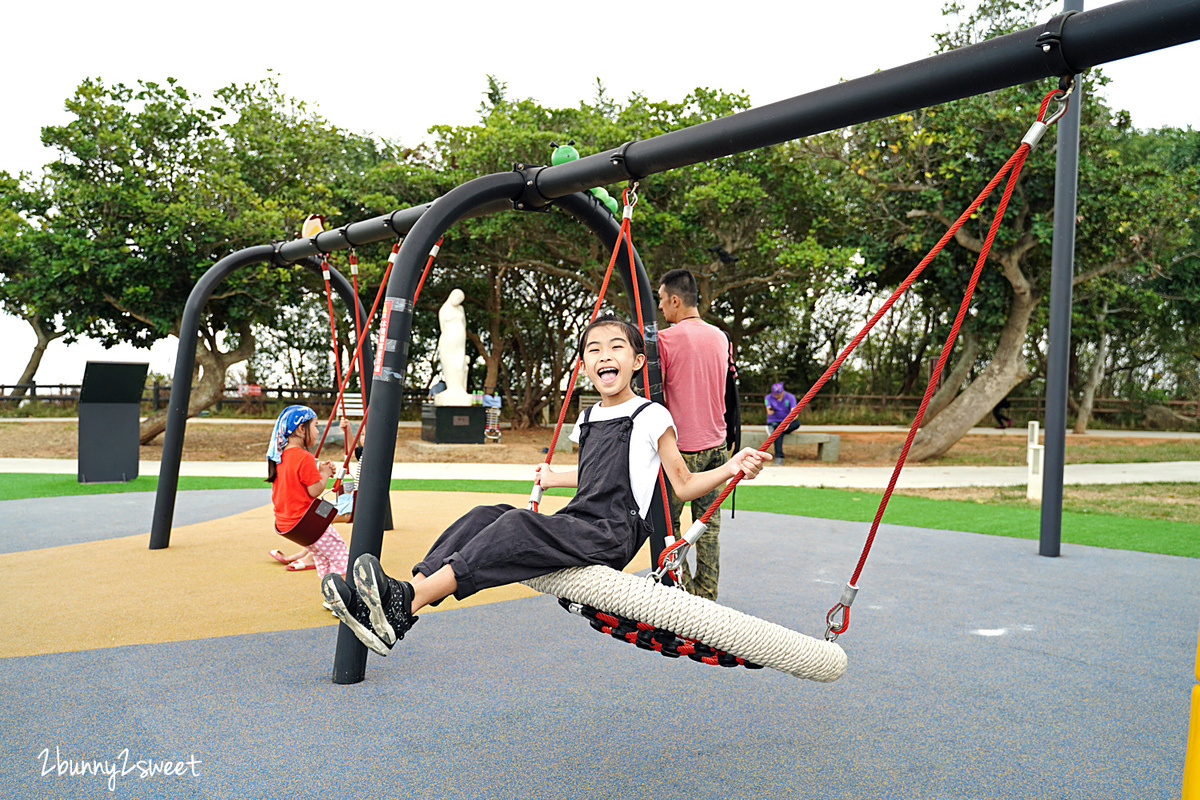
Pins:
x: 1033, y: 473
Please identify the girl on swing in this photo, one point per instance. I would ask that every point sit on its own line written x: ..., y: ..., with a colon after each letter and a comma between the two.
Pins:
x: 622, y: 441
x: 296, y: 479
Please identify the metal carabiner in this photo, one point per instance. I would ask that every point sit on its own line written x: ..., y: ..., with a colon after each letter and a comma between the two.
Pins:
x: 834, y: 628
x: 1063, y: 103
x: 671, y: 560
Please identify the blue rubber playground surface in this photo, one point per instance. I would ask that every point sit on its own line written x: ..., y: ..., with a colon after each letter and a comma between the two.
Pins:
x: 977, y: 670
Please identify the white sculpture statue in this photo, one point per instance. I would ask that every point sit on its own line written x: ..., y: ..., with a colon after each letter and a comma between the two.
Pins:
x: 452, y: 352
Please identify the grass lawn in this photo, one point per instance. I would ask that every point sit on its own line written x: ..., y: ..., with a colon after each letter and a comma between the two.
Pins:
x: 1092, y: 518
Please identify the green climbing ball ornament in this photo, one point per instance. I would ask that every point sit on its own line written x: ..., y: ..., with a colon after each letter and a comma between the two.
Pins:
x: 563, y: 153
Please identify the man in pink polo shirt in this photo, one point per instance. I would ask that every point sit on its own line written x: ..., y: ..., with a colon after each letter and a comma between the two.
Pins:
x: 695, y: 359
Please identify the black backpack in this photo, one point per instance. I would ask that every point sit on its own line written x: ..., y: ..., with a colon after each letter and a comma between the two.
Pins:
x: 733, y: 416
x: 733, y: 407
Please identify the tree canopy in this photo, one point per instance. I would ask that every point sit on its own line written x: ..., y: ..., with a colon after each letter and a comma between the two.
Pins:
x: 792, y: 245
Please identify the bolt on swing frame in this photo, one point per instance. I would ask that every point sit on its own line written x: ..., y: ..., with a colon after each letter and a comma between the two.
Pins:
x: 1067, y: 45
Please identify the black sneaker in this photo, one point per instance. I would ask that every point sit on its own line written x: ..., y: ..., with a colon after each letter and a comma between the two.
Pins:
x: 388, y: 600
x: 349, y: 608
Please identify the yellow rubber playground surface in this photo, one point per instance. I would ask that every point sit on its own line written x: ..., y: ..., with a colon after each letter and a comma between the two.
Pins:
x: 191, y: 580
x: 977, y: 670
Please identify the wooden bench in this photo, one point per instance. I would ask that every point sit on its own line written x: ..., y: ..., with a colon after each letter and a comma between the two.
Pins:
x: 587, y: 400
x: 352, y: 405
x: 827, y: 443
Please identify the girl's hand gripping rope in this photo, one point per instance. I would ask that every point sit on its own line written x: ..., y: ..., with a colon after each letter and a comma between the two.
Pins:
x: 747, y: 463
x: 542, y: 479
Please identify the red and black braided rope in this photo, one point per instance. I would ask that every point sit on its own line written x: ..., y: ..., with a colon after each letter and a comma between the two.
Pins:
x: 648, y: 637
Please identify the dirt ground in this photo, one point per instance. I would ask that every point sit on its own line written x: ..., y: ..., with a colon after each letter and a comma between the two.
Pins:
x: 215, y: 440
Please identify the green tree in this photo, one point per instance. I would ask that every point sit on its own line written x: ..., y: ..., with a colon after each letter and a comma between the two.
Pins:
x: 153, y: 186
x: 917, y: 171
x: 750, y: 226
x: 27, y: 287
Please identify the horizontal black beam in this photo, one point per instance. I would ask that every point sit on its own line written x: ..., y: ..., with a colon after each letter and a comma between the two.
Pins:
x: 387, y: 226
x: 1089, y: 38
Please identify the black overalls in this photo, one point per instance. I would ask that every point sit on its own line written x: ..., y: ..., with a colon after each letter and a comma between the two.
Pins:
x: 498, y: 545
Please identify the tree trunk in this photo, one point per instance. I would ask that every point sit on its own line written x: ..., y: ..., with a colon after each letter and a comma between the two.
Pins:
x: 954, y: 381
x: 1006, y: 369
x: 44, y: 338
x: 210, y: 386
x: 1089, y: 390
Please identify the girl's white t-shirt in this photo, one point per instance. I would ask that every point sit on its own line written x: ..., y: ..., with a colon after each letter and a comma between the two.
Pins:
x: 644, y: 462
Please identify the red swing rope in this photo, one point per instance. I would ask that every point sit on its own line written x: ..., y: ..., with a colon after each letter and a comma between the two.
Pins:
x: 352, y: 257
x: 358, y: 351
x: 1015, y: 164
x: 535, y: 497
x: 337, y: 358
x: 637, y: 304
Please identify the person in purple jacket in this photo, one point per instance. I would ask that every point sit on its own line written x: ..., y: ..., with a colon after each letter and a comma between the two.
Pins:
x: 779, y: 403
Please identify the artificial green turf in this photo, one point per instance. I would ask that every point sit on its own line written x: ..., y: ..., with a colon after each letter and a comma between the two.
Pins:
x: 1097, y: 530
x: 16, y: 485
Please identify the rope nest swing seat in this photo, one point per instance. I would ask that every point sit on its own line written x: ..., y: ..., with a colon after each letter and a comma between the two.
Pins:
x: 643, y: 611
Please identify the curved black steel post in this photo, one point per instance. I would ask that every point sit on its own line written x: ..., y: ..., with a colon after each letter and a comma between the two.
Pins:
x: 350, y: 660
x: 181, y: 386
x: 596, y: 216
x: 185, y: 363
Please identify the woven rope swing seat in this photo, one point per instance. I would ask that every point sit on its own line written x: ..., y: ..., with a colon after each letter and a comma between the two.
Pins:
x: 708, y: 631
x: 653, y: 616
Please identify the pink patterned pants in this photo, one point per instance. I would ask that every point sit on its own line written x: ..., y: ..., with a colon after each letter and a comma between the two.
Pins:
x: 330, y: 553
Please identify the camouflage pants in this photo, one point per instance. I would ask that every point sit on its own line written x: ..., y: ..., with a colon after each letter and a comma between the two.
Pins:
x: 708, y: 546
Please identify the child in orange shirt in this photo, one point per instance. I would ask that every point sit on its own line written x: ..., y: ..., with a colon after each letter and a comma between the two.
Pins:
x: 296, y: 479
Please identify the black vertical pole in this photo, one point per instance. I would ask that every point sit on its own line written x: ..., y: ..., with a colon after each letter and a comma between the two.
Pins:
x: 1062, y: 272
x: 181, y: 387
x: 387, y: 382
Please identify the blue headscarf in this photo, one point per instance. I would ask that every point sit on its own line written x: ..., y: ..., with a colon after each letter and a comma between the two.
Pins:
x: 289, y: 420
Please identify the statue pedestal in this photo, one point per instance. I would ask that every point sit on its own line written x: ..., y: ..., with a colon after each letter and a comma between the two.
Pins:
x: 452, y: 424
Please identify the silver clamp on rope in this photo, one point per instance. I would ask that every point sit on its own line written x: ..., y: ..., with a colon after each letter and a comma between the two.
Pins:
x: 1038, y: 129
x: 1035, y: 133
x: 693, y: 534
x: 838, y: 618
x: 535, y: 497
x: 434, y: 251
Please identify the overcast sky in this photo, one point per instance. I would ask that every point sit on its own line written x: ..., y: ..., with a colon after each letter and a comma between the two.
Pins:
x: 395, y: 69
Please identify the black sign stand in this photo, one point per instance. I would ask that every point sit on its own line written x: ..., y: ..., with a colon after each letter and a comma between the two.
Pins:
x: 109, y: 412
